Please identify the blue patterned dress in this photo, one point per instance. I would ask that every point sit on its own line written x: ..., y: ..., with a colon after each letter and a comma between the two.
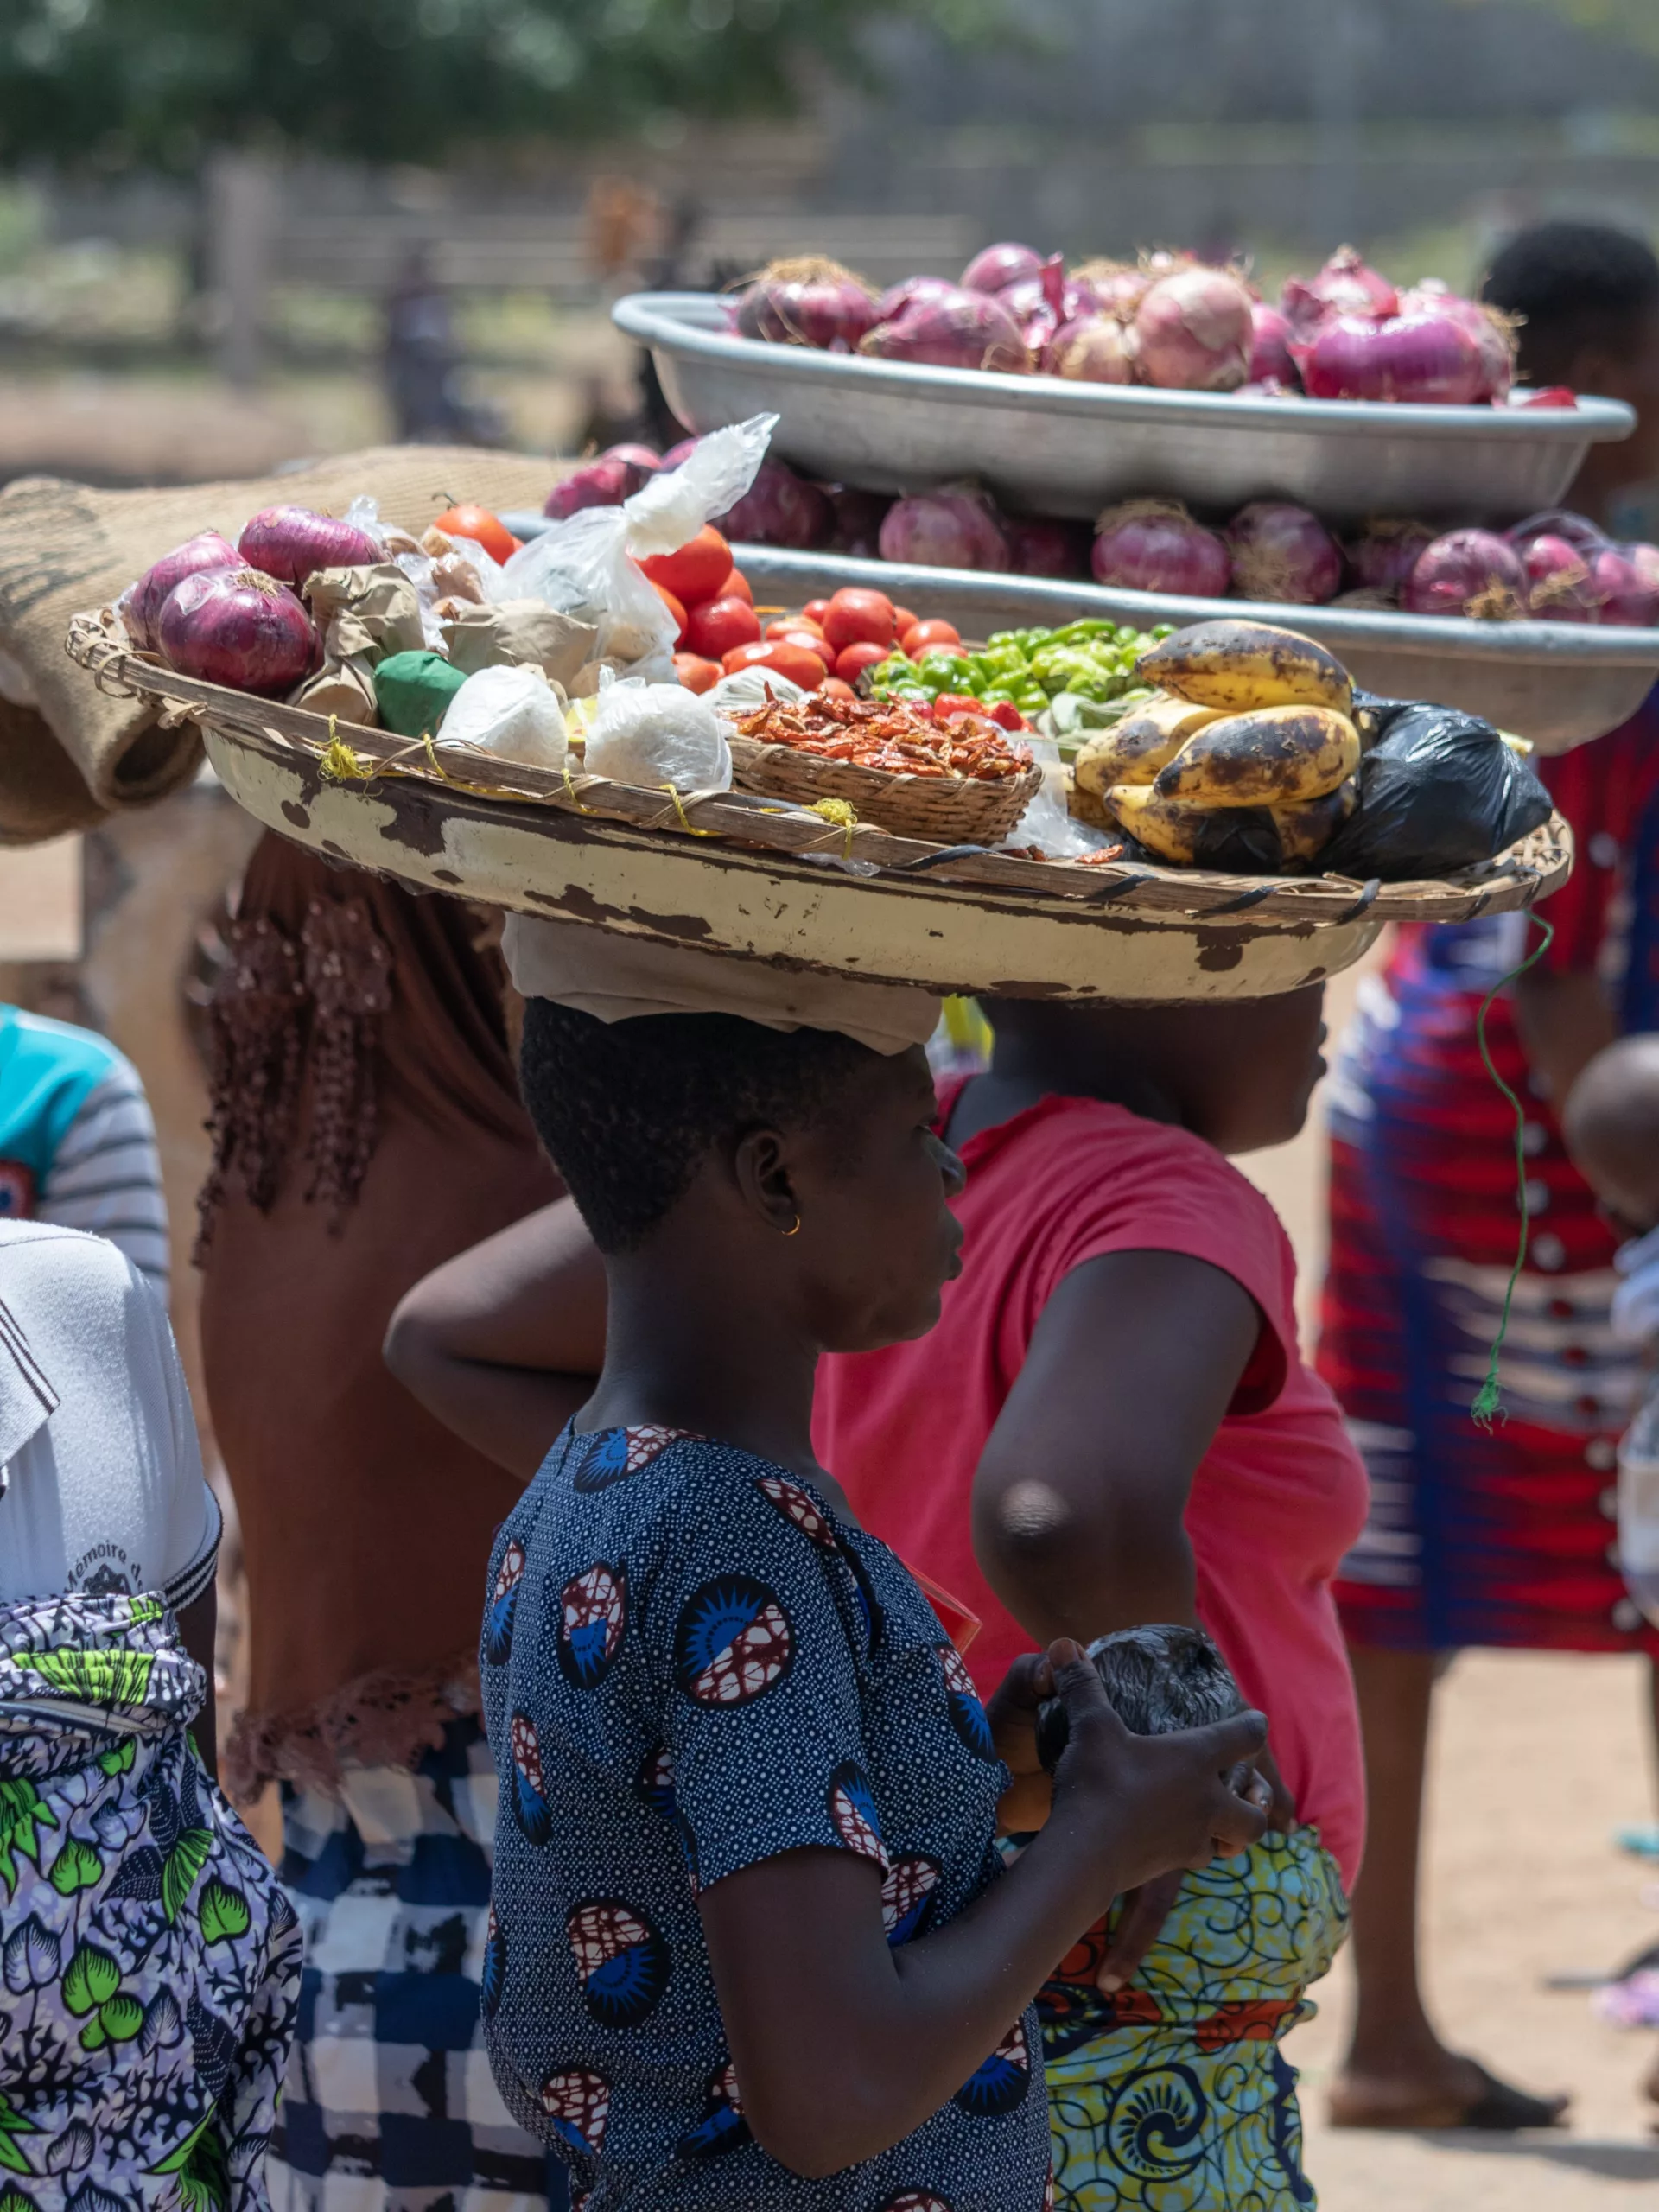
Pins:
x: 688, y: 1668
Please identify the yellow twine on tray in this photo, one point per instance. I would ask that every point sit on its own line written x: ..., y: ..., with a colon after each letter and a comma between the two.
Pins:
x: 841, y: 815
x: 1488, y: 1405
x: 339, y: 763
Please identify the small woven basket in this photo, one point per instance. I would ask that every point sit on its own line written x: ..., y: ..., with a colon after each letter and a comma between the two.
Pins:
x: 949, y: 809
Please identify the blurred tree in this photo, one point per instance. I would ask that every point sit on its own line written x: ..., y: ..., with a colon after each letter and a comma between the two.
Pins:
x: 162, y: 81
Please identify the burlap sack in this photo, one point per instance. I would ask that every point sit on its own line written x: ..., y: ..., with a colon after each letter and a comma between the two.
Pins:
x: 65, y: 547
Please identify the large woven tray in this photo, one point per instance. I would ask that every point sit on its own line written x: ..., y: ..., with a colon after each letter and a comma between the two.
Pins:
x: 761, y: 878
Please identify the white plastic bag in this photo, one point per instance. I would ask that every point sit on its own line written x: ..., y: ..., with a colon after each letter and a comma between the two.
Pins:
x: 364, y: 514
x: 582, y: 567
x: 744, y: 692
x: 1045, y: 823
x: 654, y: 735
x: 509, y: 712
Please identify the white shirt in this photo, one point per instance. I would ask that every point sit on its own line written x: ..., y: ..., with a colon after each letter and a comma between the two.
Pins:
x: 101, y: 1487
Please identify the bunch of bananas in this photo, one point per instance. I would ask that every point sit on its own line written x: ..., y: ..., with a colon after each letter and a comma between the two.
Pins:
x: 1245, y: 717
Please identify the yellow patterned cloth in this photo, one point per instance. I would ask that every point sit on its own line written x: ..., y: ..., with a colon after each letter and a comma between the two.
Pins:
x: 1174, y: 2096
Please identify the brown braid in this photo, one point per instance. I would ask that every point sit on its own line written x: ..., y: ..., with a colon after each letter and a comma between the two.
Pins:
x: 348, y: 976
x: 254, y: 1076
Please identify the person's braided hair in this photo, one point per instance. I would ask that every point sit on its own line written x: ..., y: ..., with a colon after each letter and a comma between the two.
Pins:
x: 1574, y: 285
x: 627, y: 1108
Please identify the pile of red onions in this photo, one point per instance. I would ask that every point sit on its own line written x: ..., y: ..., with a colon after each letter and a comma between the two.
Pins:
x: 293, y: 543
x: 955, y: 330
x: 1280, y: 552
x: 1156, y: 545
x: 955, y: 527
x: 142, y: 602
x: 806, y: 301
x: 238, y: 626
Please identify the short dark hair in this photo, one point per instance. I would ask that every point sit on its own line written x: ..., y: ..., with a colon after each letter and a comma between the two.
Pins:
x: 627, y: 1108
x: 1575, y: 284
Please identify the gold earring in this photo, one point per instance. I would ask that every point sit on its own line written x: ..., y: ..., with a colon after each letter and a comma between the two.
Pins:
x: 794, y: 1228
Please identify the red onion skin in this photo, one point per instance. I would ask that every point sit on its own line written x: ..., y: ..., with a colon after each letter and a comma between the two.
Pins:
x: 676, y: 454
x: 292, y: 543
x: 1270, y: 361
x: 912, y: 291
x: 1583, y: 535
x: 1384, y: 553
x: 856, y: 529
x: 1621, y: 596
x: 945, y: 529
x: 996, y: 267
x: 780, y: 508
x: 1560, y: 587
x: 1492, y: 339
x: 1193, y: 332
x: 1426, y: 360
x: 811, y: 311
x: 1039, y: 547
x: 207, y: 549
x: 1094, y: 349
x: 602, y: 483
x: 1467, y: 572
x: 968, y: 330
x: 1280, y: 552
x: 1645, y: 559
x: 1144, y: 546
x: 1117, y: 291
x: 1345, y: 286
x: 239, y: 627
x: 1041, y: 305
x: 640, y: 463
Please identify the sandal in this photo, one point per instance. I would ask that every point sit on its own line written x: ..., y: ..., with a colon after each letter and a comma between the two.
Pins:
x: 1496, y: 2107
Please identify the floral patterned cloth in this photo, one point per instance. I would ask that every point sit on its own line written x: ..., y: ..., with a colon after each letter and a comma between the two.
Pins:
x: 149, y: 1964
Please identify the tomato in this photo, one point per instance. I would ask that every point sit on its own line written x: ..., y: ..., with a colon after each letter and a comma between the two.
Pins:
x: 956, y: 702
x: 694, y: 572
x: 675, y: 609
x: 815, y: 610
x: 736, y: 586
x: 833, y: 688
x: 467, y: 519
x: 696, y: 673
x: 798, y: 625
x: 920, y: 635
x: 903, y: 619
x: 812, y: 640
x: 714, y: 627
x: 854, y: 616
x: 1006, y: 716
x: 783, y: 659
x: 852, y: 660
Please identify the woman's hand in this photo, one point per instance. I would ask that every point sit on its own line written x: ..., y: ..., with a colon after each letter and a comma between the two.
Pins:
x: 1012, y: 1711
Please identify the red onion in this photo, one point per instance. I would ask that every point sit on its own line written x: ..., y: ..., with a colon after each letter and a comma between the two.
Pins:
x: 806, y: 302
x: 1119, y: 287
x: 142, y: 601
x: 1469, y: 572
x: 1426, y: 359
x: 1281, y: 551
x: 968, y: 330
x: 955, y: 527
x: 1559, y: 585
x: 896, y: 297
x: 676, y: 454
x: 1622, y: 594
x: 998, y: 266
x: 780, y: 508
x: 640, y: 463
x: 1156, y: 545
x: 1038, y: 547
x: 1094, y: 349
x: 1193, y: 333
x: 291, y: 542
x: 1493, y: 331
x: 1550, y: 395
x: 1645, y: 559
x: 1270, y: 361
x: 602, y: 483
x: 238, y: 626
x: 1042, y: 303
x: 1343, y: 286
x: 1579, y: 530
x: 856, y: 529
x: 1385, y: 553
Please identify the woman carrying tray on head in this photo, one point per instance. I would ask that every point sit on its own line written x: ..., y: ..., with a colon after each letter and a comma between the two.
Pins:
x: 751, y: 1943
x: 1109, y: 1425
x: 1500, y: 1537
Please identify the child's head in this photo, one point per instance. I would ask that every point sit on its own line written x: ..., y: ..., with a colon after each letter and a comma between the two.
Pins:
x: 1239, y: 1071
x: 1612, y: 1126
x: 1160, y: 1678
x: 797, y: 1165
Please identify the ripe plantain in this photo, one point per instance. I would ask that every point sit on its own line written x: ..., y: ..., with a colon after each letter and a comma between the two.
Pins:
x: 1306, y: 831
x: 1134, y: 750
x: 1279, y: 756
x: 1168, y: 831
x: 1086, y: 806
x: 1237, y: 667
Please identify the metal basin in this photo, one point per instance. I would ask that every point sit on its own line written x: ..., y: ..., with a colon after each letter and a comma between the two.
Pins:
x: 1052, y: 447
x: 1558, y: 683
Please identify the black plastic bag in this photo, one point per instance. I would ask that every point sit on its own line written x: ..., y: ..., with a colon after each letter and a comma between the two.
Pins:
x: 1438, y: 789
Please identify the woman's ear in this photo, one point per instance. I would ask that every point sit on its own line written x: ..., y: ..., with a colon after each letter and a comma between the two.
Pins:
x: 761, y: 1168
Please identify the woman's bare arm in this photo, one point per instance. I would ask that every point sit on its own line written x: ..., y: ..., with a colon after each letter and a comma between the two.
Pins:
x: 503, y: 1342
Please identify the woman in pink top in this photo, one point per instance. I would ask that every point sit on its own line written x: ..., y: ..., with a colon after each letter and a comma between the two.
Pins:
x: 1120, y: 1429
